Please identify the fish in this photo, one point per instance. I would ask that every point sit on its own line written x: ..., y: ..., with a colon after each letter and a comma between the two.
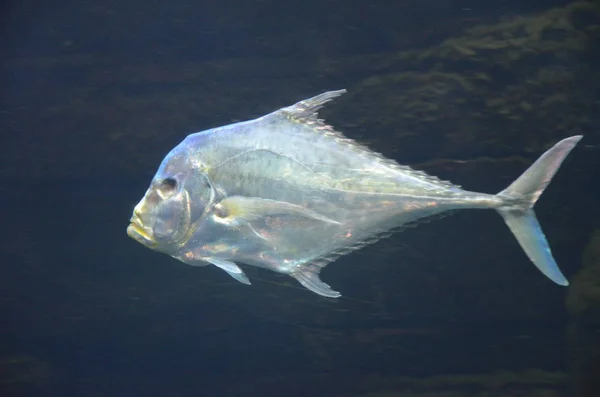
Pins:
x: 288, y: 193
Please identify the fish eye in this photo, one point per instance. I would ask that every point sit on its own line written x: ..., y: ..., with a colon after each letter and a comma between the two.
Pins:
x: 169, y: 183
x: 166, y: 187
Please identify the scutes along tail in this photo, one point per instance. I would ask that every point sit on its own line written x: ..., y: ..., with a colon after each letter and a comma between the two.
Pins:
x: 521, y: 196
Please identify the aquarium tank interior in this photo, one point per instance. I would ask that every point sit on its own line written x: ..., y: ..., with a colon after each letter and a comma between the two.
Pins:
x: 95, y: 96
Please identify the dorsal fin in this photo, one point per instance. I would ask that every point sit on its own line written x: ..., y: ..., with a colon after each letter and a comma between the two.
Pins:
x: 306, y: 111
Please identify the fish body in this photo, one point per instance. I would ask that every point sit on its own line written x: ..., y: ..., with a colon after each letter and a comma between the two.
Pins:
x: 288, y: 193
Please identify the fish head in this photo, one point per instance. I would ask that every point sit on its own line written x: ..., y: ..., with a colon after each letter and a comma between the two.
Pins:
x: 178, y: 195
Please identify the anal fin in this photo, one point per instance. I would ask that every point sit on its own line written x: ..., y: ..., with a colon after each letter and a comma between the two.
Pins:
x: 308, y: 276
x: 230, y: 268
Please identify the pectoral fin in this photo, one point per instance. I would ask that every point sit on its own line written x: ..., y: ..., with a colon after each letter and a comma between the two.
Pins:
x: 231, y: 268
x: 253, y: 208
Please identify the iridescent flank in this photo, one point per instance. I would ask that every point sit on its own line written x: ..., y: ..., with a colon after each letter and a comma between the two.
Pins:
x: 287, y: 192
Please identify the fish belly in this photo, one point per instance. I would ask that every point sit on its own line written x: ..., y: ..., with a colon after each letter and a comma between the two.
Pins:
x: 284, y: 243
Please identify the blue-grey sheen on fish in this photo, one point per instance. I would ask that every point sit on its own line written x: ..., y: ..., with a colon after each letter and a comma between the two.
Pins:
x: 288, y: 193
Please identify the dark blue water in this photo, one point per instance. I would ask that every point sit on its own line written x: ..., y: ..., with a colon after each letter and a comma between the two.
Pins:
x: 94, y: 94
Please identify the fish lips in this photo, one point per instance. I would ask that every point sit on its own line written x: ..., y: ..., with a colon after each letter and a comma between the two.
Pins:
x: 139, y: 233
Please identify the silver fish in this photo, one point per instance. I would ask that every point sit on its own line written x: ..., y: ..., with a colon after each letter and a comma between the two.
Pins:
x: 288, y: 193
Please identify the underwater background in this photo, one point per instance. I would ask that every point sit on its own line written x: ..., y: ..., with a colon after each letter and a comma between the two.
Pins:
x: 95, y: 93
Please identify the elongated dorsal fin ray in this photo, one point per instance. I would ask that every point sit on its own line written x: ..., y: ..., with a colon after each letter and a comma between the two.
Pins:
x: 306, y: 112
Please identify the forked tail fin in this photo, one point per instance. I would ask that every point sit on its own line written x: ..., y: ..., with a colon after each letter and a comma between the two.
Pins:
x: 520, y: 197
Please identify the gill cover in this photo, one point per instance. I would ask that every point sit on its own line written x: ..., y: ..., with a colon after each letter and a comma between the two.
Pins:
x: 165, y: 216
x: 171, y: 210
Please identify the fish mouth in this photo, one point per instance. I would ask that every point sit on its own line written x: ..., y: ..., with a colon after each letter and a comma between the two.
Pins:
x: 138, y: 232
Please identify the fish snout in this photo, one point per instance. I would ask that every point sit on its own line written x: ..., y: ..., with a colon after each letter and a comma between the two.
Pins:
x: 137, y: 231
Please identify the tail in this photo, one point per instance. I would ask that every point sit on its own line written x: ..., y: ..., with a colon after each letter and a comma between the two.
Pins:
x: 520, y: 197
